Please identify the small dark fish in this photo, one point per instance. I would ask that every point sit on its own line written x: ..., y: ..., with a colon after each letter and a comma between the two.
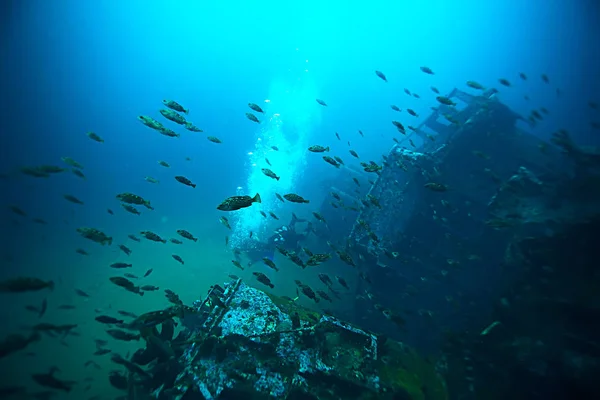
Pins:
x: 122, y: 335
x: 105, y: 319
x: 134, y: 238
x: 24, y: 284
x: 173, y: 105
x: 92, y: 363
x: 50, y: 381
x: 73, y: 199
x: 43, y: 308
x: 381, y: 75
x: 427, y: 70
x: 185, y: 234
x: 132, y: 276
x: 148, y: 272
x: 66, y: 307
x: 294, y: 198
x: 262, y: 278
x: 125, y: 249
x: 149, y: 288
x: 252, y: 117
x: 108, y: 210
x: 185, y: 181
x: 177, y: 258
x: 120, y: 265
x: 82, y: 252
x: 101, y: 352
x: 256, y: 107
x: 237, y: 202
x: 175, y: 241
x: 127, y: 314
x: 131, y: 209
x: 321, y: 102
x: 81, y: 293
x: 152, y: 236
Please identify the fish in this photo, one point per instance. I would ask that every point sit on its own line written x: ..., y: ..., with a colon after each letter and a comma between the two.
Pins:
x: 436, y: 187
x: 101, y: 352
x: 95, y: 137
x: 131, y: 209
x: 173, y: 116
x: 119, y: 265
x: 81, y: 293
x: 214, y: 139
x: 152, y: 236
x: 122, y: 335
x: 427, y: 70
x: 105, y: 319
x: 126, y: 284
x: 185, y: 234
x: 269, y: 263
x: 475, y: 85
x: 73, y: 199
x: 381, y: 75
x: 192, y: 128
x: 262, y: 278
x: 318, y: 149
x: 225, y: 222
x: 445, y: 100
x: 130, y: 198
x: 252, y: 117
x: 50, y: 381
x: 185, y: 181
x: 294, y: 198
x: 95, y: 235
x: 237, y: 202
x: 256, y: 107
x: 69, y: 161
x: 178, y: 259
x: 173, y: 105
x: 321, y: 102
x: 270, y: 173
x: 125, y: 249
x: 25, y: 284
x: 331, y: 161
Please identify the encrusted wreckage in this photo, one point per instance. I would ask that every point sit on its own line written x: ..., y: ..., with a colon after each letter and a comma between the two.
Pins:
x: 246, y: 344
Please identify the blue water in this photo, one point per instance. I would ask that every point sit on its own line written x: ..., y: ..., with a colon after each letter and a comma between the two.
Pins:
x: 69, y: 67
